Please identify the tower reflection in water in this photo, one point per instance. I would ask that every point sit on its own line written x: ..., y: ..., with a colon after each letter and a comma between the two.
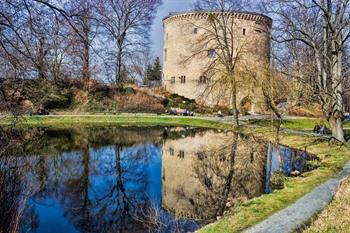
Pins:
x: 205, y: 174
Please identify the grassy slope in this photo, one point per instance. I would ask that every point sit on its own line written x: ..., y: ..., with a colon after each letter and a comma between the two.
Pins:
x: 252, y: 211
x: 335, y: 217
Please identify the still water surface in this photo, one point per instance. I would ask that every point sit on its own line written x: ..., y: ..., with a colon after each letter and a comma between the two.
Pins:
x: 136, y: 179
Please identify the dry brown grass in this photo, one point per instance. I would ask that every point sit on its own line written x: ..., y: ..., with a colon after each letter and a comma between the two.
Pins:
x: 312, y: 110
x: 138, y: 102
x: 335, y: 218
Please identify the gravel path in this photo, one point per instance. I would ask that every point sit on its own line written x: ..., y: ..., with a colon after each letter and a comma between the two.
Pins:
x: 298, y: 214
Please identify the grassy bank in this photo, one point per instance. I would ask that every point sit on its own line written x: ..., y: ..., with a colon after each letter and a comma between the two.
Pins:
x: 247, y: 213
x: 305, y: 124
x: 335, y: 217
x: 253, y: 211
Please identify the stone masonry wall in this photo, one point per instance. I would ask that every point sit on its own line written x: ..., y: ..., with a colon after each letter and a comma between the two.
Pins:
x: 182, y: 32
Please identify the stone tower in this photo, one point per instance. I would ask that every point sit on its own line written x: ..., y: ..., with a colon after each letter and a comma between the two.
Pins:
x: 184, y: 73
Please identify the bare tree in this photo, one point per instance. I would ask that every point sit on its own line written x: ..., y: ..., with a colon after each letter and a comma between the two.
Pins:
x: 128, y: 23
x: 324, y: 27
x: 227, y: 48
x: 43, y: 40
x: 84, y: 18
x: 60, y: 46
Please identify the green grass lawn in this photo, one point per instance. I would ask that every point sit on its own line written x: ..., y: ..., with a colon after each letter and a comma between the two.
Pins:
x: 250, y: 212
x: 110, y: 120
x: 296, y: 124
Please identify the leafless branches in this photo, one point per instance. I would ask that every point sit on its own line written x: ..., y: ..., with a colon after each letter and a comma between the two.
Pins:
x: 222, y: 42
x: 317, y: 31
x: 127, y: 23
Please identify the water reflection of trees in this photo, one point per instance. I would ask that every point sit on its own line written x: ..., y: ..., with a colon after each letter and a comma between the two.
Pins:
x: 14, y: 188
x: 99, y: 178
x: 96, y: 193
x: 55, y: 141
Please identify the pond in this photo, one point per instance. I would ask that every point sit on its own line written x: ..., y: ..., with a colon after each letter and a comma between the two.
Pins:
x: 132, y: 179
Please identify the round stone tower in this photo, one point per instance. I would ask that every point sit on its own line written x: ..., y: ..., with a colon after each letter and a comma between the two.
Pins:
x: 184, y: 68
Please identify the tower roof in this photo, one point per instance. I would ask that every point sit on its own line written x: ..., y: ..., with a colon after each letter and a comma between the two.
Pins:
x: 173, y: 14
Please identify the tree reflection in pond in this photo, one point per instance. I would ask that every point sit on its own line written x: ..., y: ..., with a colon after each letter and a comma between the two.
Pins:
x: 132, y: 179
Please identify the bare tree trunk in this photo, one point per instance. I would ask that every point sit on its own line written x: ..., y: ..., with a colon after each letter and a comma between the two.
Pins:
x: 234, y: 101
x: 41, y: 59
x: 337, y: 128
x: 86, y: 54
x: 335, y: 119
x: 118, y: 67
x: 119, y: 61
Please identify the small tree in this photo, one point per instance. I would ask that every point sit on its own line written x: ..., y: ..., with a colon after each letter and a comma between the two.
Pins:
x: 222, y: 43
x: 154, y: 71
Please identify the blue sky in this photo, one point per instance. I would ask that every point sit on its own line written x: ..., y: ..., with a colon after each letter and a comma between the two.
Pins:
x: 164, y: 10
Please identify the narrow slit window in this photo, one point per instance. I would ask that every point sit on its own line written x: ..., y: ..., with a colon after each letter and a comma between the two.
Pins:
x: 195, y: 30
x: 165, y: 54
x: 183, y: 79
x: 172, y: 80
x: 211, y: 53
x: 171, y: 151
x: 244, y: 31
x: 181, y: 154
x: 203, y: 79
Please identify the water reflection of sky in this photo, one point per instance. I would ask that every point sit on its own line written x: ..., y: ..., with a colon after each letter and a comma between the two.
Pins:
x: 141, y: 179
x: 51, y: 218
x: 289, y: 163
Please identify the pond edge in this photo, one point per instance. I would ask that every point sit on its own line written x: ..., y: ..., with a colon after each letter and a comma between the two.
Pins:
x: 299, y: 214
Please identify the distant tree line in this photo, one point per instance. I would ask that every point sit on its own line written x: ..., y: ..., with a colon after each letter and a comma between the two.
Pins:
x: 80, y: 39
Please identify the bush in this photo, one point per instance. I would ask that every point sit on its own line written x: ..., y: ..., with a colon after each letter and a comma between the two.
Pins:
x: 129, y: 91
x: 177, y: 101
x: 165, y: 102
x: 57, y: 100
x: 47, y: 94
x: 230, y: 112
x: 277, y: 180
